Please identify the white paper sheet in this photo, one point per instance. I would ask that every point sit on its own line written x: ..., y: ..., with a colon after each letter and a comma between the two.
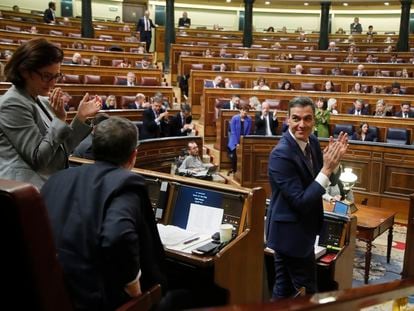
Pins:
x: 204, y: 219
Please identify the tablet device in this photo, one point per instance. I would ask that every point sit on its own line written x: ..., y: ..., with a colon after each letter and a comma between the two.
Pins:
x: 341, y: 208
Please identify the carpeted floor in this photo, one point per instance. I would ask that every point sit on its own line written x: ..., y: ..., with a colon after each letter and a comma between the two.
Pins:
x: 381, y: 271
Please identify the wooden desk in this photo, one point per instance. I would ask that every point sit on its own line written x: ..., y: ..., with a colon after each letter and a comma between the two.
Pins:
x: 371, y: 223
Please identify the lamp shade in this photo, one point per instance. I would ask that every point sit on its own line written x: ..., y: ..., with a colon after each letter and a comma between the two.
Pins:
x: 348, y: 177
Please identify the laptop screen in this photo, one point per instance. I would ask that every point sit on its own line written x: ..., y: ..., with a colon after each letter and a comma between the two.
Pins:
x: 341, y: 208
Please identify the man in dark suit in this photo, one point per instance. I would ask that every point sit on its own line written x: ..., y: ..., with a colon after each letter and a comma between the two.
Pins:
x: 49, y: 15
x: 155, y: 123
x: 299, y: 174
x: 130, y: 80
x: 359, y: 108
x: 233, y: 104
x: 184, y: 21
x: 144, y: 26
x: 360, y: 72
x: 180, y: 124
x: 216, y: 83
x: 139, y: 102
x: 103, y: 223
x: 266, y: 122
x: 406, y: 111
x: 356, y: 27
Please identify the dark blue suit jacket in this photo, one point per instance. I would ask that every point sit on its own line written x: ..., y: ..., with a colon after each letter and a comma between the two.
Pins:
x: 150, y: 129
x: 364, y: 111
x: 295, y: 214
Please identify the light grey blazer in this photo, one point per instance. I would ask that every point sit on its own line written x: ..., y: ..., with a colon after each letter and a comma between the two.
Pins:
x: 32, y: 146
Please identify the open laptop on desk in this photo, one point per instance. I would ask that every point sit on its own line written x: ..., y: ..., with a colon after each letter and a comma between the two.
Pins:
x: 206, y: 172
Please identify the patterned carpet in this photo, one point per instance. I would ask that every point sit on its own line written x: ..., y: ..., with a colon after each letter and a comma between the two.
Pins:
x: 381, y: 271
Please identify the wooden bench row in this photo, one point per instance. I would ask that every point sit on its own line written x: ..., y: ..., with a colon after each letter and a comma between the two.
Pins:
x: 66, y: 30
x: 270, y: 54
x: 106, y: 58
x: 187, y: 63
x: 279, y: 99
x: 123, y: 94
x: 66, y: 42
x: 383, y: 124
x: 31, y: 17
x: 384, y: 171
x: 301, y: 82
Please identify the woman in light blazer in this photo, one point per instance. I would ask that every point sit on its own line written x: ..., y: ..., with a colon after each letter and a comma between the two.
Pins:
x: 240, y: 125
x: 35, y: 139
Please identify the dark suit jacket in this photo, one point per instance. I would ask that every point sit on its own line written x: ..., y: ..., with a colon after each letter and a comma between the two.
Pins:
x: 260, y: 124
x: 356, y: 28
x: 105, y: 232
x: 184, y: 22
x: 150, y: 129
x: 364, y: 74
x: 141, y: 25
x: 368, y: 137
x: 176, y: 124
x: 295, y: 214
x: 410, y: 114
x: 133, y: 106
x: 364, y: 111
x: 48, y: 16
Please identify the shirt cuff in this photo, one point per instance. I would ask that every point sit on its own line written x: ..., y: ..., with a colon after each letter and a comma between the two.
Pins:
x: 323, y: 180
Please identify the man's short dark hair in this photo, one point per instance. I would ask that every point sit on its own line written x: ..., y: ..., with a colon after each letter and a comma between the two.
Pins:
x: 114, y: 140
x: 185, y: 108
x: 99, y: 117
x: 301, y: 101
x: 31, y: 56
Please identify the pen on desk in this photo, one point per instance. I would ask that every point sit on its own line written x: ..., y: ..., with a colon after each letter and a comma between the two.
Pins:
x: 192, y: 240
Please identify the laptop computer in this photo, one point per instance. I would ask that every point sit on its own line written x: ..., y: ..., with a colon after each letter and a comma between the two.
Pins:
x: 206, y: 172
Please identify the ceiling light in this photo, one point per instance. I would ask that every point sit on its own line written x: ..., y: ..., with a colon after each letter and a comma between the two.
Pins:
x: 306, y: 4
x: 228, y: 1
x: 386, y: 3
x: 267, y: 2
x: 345, y: 4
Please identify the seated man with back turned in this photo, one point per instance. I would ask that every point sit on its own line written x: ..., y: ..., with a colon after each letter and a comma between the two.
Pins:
x: 103, y: 223
x: 192, y: 164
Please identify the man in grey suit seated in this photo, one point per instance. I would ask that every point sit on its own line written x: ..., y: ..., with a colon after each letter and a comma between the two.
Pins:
x: 192, y: 164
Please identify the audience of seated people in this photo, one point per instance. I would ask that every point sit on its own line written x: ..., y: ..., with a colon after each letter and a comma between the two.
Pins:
x: 180, y: 124
x: 363, y: 133
x: 266, y: 122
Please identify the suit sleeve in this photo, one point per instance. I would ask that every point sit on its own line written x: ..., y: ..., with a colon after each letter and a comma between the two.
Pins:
x: 120, y: 240
x: 149, y: 121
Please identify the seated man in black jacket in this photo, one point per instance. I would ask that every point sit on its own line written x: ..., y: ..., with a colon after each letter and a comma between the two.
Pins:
x: 103, y: 223
x: 266, y: 122
x: 180, y: 124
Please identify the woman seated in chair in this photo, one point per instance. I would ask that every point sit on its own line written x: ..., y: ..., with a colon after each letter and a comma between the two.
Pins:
x: 261, y: 84
x: 363, y: 133
x: 382, y: 110
x: 286, y: 85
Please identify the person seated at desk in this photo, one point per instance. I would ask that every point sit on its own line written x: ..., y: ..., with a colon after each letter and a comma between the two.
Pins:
x: 192, y: 164
x: 180, y: 124
x: 110, y: 103
x: 382, y: 110
x: 216, y: 83
x: 405, y: 111
x: 359, y: 108
x: 130, y: 80
x: 261, y: 84
x: 112, y: 251
x: 139, y: 102
x: 144, y: 64
x: 363, y: 133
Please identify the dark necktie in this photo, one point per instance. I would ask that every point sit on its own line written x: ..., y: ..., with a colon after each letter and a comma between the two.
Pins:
x: 308, y: 154
x: 241, y: 128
